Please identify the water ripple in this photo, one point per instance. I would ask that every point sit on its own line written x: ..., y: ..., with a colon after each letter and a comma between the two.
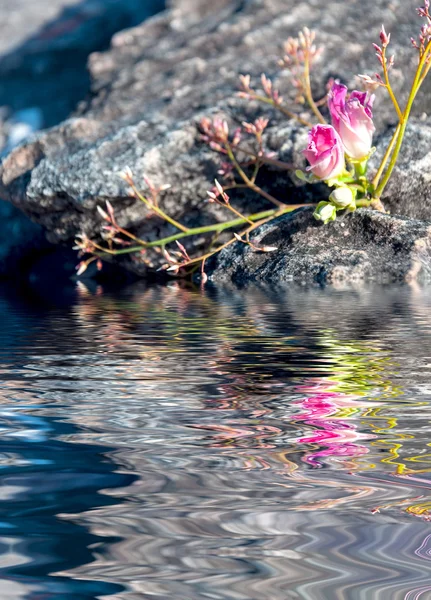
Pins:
x: 223, y: 444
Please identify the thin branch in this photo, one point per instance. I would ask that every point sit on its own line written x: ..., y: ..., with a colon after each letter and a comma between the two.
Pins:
x: 278, y: 163
x: 248, y: 181
x: 235, y: 212
x: 388, y: 85
x: 217, y: 228
x: 287, y: 113
x: 156, y: 209
x: 234, y: 239
x: 307, y: 89
x: 385, y: 159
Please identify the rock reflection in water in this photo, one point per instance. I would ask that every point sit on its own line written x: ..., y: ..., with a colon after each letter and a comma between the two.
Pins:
x: 276, y: 442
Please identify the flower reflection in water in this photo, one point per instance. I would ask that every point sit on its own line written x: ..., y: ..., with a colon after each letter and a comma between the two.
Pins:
x: 323, y: 413
x: 272, y: 394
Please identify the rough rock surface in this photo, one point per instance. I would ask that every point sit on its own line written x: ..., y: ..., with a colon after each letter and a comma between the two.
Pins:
x: 159, y: 79
x: 366, y: 245
x: 44, y: 47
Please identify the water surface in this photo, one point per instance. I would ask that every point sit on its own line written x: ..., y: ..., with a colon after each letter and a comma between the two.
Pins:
x: 174, y: 442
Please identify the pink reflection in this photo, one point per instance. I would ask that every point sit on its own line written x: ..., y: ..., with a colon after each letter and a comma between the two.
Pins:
x: 338, y: 437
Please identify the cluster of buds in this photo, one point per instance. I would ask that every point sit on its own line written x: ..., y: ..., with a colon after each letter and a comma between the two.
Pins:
x: 425, y: 32
x: 175, y: 259
x: 381, y: 50
x: 301, y: 49
x: 256, y: 128
x: 111, y: 231
x: 85, y: 246
x: 245, y: 87
x: 215, y: 133
x: 424, y: 11
x: 216, y: 193
x: 270, y: 92
x: 372, y: 83
x: 299, y: 56
x: 127, y: 175
x: 154, y: 192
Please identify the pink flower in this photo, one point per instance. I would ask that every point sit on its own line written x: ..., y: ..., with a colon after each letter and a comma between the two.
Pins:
x: 325, y: 152
x: 353, y: 120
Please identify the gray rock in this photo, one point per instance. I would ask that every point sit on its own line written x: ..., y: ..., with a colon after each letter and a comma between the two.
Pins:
x: 151, y: 88
x: 367, y: 245
x: 44, y: 47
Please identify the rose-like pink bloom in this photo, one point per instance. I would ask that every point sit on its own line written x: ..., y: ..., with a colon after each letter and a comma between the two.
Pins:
x: 352, y: 117
x: 325, y: 152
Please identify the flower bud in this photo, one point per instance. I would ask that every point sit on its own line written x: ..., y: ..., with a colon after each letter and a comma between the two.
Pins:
x: 342, y: 197
x: 325, y: 212
x: 384, y: 37
x: 353, y: 120
x: 325, y: 152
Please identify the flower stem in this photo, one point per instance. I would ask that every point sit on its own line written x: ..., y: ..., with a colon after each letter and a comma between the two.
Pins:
x: 282, y: 109
x: 307, y: 90
x: 128, y: 234
x: 363, y: 203
x: 399, y: 140
x: 256, y: 219
x: 278, y: 163
x: 156, y: 209
x: 248, y: 181
x: 389, y: 87
x: 216, y: 227
x: 276, y: 213
x: 423, y: 76
x: 256, y: 170
x: 385, y: 159
x: 235, y: 212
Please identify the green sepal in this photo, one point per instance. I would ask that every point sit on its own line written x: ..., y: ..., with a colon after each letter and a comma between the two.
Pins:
x: 325, y: 212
